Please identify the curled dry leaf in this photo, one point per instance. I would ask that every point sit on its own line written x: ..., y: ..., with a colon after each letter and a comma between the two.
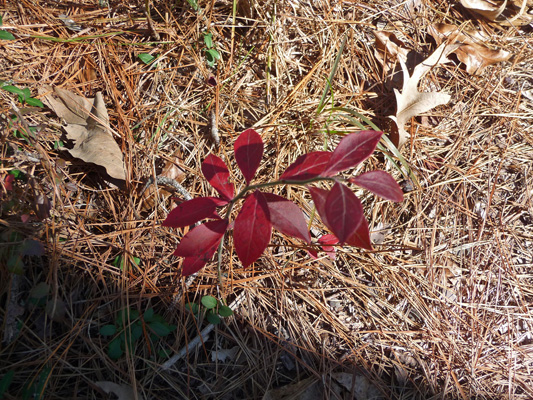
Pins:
x: 87, y: 125
x: 474, y: 55
x: 488, y: 9
x: 171, y: 170
x: 508, y: 13
x: 410, y: 102
x: 388, y: 50
x: 123, y: 392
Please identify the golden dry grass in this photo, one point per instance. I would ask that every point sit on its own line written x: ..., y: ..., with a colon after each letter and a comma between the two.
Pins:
x: 442, y: 308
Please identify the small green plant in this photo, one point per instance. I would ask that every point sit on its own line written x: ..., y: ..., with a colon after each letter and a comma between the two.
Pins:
x: 14, y: 248
x: 24, y: 95
x: 130, y: 326
x: 193, y: 4
x: 5, y: 35
x: 5, y: 382
x: 118, y: 262
x: 34, y: 389
x: 211, y: 54
x: 147, y: 58
x: 214, y: 309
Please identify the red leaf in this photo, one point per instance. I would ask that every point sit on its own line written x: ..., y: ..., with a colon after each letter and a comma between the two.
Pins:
x: 248, y: 153
x: 253, y: 229
x: 312, y: 252
x: 319, y: 198
x: 307, y: 166
x: 380, y: 183
x: 287, y: 217
x: 199, y: 241
x: 344, y: 211
x: 193, y: 264
x: 361, y: 236
x: 217, y: 174
x: 329, y: 250
x: 8, y: 181
x: 192, y: 211
x: 352, y: 150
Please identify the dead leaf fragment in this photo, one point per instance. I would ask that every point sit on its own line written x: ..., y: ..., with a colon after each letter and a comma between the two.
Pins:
x: 123, y: 392
x: 475, y: 55
x: 171, y: 170
x: 362, y: 388
x: 88, y: 127
x: 491, y: 10
x: 410, y: 102
x: 508, y: 13
x: 388, y: 50
x: 307, y: 389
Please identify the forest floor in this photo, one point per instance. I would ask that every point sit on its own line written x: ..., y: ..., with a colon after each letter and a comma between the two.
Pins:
x: 92, y: 301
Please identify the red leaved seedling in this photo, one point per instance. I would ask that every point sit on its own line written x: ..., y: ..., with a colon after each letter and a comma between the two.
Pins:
x: 308, y: 166
x: 201, y: 238
x: 253, y: 229
x: 286, y: 217
x: 248, y: 153
x: 352, y: 150
x: 217, y: 174
x: 340, y: 210
x: 380, y: 183
x: 194, y: 210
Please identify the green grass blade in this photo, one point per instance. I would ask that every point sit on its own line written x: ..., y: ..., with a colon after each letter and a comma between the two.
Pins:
x: 328, y: 88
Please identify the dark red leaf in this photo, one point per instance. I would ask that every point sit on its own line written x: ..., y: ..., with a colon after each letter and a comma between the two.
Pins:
x: 8, y: 181
x: 193, y: 264
x: 352, y: 150
x: 329, y: 250
x: 307, y: 166
x: 217, y: 174
x: 344, y: 211
x: 380, y: 183
x: 312, y: 252
x: 192, y: 211
x: 248, y: 153
x: 200, y: 239
x: 361, y: 236
x: 287, y: 217
x: 253, y: 229
x: 319, y: 197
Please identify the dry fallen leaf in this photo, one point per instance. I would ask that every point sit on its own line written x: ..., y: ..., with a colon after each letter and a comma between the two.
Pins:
x: 388, y: 50
x: 503, y: 12
x: 88, y: 127
x: 170, y: 170
x: 410, y: 102
x: 488, y: 9
x: 359, y: 385
x: 123, y: 392
x: 473, y: 54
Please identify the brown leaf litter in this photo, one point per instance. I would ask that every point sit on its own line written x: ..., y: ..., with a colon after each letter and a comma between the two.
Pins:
x: 507, y: 13
x: 472, y: 52
x: 87, y: 125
